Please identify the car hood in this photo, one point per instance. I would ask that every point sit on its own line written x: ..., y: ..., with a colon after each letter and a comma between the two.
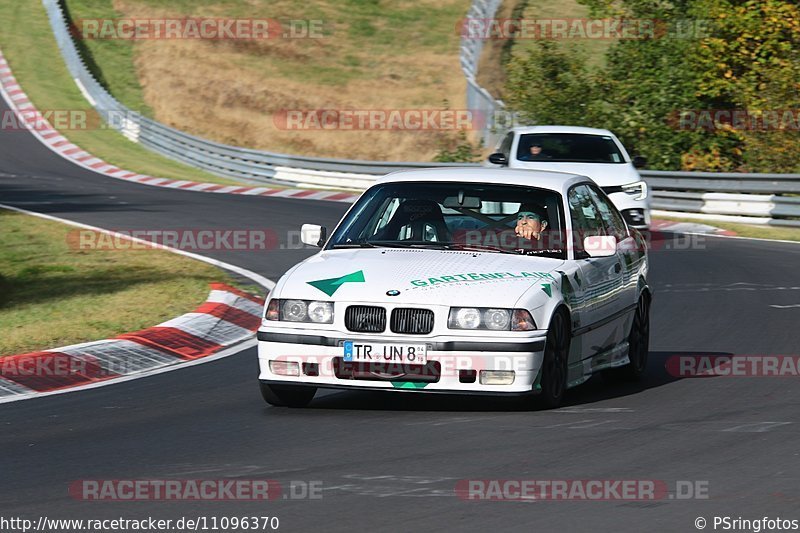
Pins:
x: 604, y: 174
x: 419, y: 277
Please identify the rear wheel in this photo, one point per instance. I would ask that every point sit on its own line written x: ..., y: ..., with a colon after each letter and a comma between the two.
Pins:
x: 638, y: 343
x: 287, y: 395
x: 554, y: 366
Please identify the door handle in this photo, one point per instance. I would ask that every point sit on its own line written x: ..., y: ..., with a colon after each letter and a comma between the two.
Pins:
x: 618, y: 268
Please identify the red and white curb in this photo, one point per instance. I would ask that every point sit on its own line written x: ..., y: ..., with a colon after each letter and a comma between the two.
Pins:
x: 228, y: 317
x: 224, y: 325
x: 687, y: 227
x: 37, y: 125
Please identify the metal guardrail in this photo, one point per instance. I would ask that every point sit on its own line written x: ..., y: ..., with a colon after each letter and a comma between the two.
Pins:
x: 708, y: 195
x: 701, y: 194
x: 478, y: 98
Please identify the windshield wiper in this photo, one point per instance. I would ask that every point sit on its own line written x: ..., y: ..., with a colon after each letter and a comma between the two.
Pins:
x: 361, y: 243
x: 413, y: 244
x: 481, y: 248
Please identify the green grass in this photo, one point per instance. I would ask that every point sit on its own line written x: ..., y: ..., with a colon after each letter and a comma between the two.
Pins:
x: 28, y: 44
x: 747, y: 230
x: 52, y: 294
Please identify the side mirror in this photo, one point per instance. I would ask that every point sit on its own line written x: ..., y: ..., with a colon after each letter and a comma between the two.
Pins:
x: 313, y: 235
x: 498, y: 159
x: 600, y: 245
x: 639, y: 161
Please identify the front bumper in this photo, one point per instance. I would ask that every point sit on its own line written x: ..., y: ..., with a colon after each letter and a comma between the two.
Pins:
x: 454, y: 364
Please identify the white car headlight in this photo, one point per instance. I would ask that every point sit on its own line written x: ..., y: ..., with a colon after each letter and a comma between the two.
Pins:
x: 464, y: 318
x: 490, y: 318
x: 637, y: 189
x: 300, y: 311
x: 497, y: 319
x: 320, y: 312
x: 294, y: 311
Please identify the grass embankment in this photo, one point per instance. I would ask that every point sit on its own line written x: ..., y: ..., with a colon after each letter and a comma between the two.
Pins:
x: 747, y: 230
x: 30, y: 48
x: 372, y: 54
x: 52, y: 294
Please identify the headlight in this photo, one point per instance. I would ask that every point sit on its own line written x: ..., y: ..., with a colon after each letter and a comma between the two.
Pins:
x: 497, y: 318
x: 464, y: 318
x: 490, y: 318
x: 294, y: 311
x: 300, y: 311
x: 637, y: 189
x: 320, y: 312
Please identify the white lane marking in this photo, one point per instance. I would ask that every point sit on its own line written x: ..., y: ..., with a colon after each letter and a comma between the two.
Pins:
x: 756, y: 427
x: 233, y: 350
x: 258, y: 278
x: 785, y: 306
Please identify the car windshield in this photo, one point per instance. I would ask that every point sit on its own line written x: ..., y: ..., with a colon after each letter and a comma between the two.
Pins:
x: 456, y: 216
x: 568, y: 148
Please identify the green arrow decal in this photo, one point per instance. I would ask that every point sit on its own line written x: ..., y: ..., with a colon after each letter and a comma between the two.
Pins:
x: 329, y: 286
x: 546, y: 288
x: 408, y: 385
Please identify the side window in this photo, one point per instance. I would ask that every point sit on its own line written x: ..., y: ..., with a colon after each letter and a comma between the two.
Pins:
x: 612, y: 219
x: 505, y: 146
x: 586, y: 219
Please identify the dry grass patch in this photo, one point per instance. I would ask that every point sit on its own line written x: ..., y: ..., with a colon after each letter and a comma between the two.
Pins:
x: 374, y: 55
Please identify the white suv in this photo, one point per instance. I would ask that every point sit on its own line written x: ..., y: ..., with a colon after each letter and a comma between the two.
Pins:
x: 590, y: 152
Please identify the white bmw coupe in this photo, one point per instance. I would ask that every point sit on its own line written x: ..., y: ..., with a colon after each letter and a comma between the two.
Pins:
x: 462, y: 281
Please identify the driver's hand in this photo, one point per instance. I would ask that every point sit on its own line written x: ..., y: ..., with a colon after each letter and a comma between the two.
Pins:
x: 525, y: 231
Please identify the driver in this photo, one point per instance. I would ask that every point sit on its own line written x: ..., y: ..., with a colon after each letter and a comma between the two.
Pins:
x: 531, y: 222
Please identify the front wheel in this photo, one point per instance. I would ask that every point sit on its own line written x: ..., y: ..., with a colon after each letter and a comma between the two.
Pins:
x: 287, y: 395
x: 554, y: 365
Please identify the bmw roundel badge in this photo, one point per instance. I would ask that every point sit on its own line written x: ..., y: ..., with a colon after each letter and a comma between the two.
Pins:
x: 393, y: 292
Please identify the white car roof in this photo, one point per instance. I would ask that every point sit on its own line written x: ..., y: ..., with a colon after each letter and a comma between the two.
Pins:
x: 555, y: 181
x: 560, y: 129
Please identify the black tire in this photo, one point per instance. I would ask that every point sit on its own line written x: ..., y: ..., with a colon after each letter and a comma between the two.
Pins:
x: 638, y: 342
x: 554, y: 366
x: 287, y: 395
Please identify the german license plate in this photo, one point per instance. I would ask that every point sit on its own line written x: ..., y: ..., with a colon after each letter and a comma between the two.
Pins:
x: 371, y: 352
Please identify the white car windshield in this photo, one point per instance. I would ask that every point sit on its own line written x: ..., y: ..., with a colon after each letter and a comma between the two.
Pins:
x: 456, y: 216
x: 568, y: 148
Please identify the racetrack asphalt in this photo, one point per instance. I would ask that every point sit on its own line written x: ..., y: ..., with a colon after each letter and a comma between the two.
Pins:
x: 391, y: 461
